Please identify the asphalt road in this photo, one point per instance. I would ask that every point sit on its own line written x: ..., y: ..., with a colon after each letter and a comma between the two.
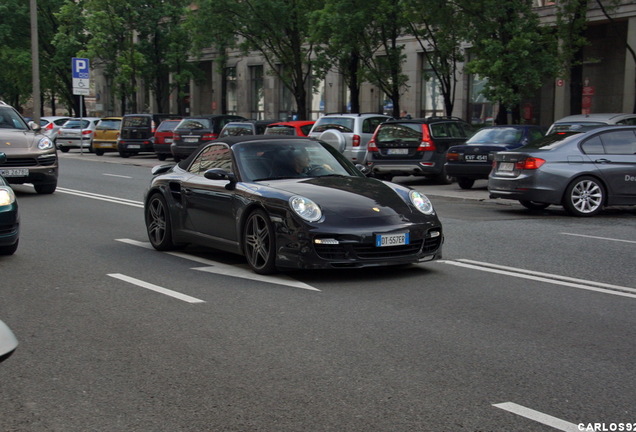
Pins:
x: 527, y: 324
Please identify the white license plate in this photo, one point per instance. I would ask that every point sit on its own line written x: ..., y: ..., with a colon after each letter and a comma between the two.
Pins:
x: 168, y: 140
x: 476, y: 158
x: 397, y: 151
x: 14, y: 172
x: 191, y: 140
x: 133, y: 146
x: 382, y: 240
x: 506, y: 166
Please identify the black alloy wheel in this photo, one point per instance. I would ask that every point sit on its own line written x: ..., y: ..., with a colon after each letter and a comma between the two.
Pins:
x: 158, y: 223
x: 259, y: 242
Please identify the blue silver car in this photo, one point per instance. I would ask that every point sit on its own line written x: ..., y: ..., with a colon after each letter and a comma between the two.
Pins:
x: 9, y: 217
x: 583, y: 172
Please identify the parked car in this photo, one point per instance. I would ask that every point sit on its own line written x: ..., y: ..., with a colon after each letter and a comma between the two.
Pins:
x: 473, y: 160
x: 193, y: 131
x: 293, y: 127
x: 31, y: 157
x: 76, y: 133
x: 348, y: 133
x: 9, y: 216
x: 583, y: 172
x: 8, y: 342
x: 51, y: 125
x: 288, y: 202
x: 138, y: 132
x: 106, y: 135
x: 247, y: 127
x: 584, y: 122
x: 415, y: 147
x: 164, y: 135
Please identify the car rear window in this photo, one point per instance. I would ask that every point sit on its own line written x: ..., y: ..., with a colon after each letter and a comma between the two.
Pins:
x: 199, y: 123
x: 109, y: 124
x: 549, y: 141
x: 399, y: 131
x: 496, y: 136
x: 136, y: 121
x: 77, y: 124
x: 342, y: 124
x: 166, y: 126
x: 281, y: 130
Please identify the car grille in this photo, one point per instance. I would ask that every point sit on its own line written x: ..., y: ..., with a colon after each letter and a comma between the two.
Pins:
x: 28, y: 162
x: 344, y: 251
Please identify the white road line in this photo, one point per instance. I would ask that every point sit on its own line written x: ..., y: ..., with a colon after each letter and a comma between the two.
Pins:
x: 101, y: 197
x: 545, y: 277
x: 599, y: 238
x: 238, y: 271
x: 156, y: 288
x: 538, y: 416
x: 116, y: 175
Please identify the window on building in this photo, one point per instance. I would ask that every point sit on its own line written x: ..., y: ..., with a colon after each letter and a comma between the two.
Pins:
x: 432, y: 102
x: 257, y: 97
x: 480, y: 110
x: 231, y: 95
x: 317, y: 99
x: 286, y: 101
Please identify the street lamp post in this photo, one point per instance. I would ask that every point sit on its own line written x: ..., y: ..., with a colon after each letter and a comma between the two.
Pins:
x: 35, y: 62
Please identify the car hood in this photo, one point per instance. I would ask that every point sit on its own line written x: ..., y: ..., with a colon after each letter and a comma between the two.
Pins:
x: 16, y: 139
x: 348, y: 197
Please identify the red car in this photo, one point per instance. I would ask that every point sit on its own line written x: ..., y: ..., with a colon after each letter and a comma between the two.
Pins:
x: 163, y: 138
x: 296, y: 127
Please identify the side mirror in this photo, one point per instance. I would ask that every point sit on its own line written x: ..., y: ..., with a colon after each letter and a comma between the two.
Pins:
x: 8, y: 342
x: 34, y: 126
x: 363, y: 169
x: 160, y: 169
x: 221, y: 174
x: 3, y: 158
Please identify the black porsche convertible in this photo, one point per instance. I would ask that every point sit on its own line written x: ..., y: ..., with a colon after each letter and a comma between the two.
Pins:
x: 288, y: 203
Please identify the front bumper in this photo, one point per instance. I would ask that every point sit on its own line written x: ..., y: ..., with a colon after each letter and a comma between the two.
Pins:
x: 40, y: 168
x: 9, y: 224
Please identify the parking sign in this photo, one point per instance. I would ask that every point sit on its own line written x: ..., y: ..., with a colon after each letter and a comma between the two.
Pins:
x: 81, y: 76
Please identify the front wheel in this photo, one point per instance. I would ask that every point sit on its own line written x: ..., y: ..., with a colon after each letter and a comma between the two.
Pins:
x: 158, y: 224
x: 259, y: 243
x: 45, y: 188
x: 585, y: 196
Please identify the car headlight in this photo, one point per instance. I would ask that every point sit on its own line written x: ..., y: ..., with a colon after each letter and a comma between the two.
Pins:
x: 421, y: 202
x: 305, y: 208
x: 45, y: 143
x: 6, y: 196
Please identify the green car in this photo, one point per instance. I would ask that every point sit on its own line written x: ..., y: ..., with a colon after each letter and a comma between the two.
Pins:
x: 9, y: 217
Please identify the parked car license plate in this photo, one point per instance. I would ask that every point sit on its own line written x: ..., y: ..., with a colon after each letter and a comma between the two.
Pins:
x: 382, y: 240
x: 133, y: 146
x: 14, y: 172
x: 191, y: 140
x: 397, y: 151
x: 476, y: 158
x: 506, y: 166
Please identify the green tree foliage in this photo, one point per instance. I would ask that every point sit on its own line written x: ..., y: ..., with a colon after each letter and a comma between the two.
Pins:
x: 15, y: 52
x: 511, y: 49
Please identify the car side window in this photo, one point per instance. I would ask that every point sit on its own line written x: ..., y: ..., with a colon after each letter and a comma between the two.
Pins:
x: 593, y: 146
x: 619, y: 142
x: 213, y: 156
x: 627, y: 122
x: 370, y: 124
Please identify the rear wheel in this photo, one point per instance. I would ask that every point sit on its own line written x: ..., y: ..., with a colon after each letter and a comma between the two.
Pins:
x: 99, y: 152
x: 63, y: 149
x: 158, y: 223
x: 259, y: 243
x: 585, y: 196
x: 124, y: 154
x: 533, y: 205
x: 465, y: 182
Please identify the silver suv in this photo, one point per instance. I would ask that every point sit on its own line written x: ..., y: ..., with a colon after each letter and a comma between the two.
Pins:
x: 348, y: 133
x: 585, y: 122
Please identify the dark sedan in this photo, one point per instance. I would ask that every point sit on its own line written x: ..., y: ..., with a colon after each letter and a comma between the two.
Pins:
x: 9, y: 217
x: 288, y: 202
x: 473, y: 160
x: 581, y: 171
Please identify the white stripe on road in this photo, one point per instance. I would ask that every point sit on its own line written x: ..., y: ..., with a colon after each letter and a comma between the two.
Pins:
x: 101, y: 197
x: 600, y: 238
x: 539, y: 417
x: 545, y: 277
x: 116, y: 175
x: 156, y: 288
x: 238, y: 271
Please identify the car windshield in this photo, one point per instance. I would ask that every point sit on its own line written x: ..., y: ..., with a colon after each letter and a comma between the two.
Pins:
x: 342, y: 124
x: 496, y: 136
x: 10, y: 119
x: 269, y: 160
x: 549, y: 141
x: 76, y: 124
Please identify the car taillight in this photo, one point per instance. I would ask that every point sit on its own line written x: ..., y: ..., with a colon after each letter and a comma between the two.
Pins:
x: 49, y: 126
x: 209, y: 136
x: 427, y: 143
x: 87, y: 132
x: 530, y: 163
x: 356, y: 141
x: 452, y: 156
x: 371, y: 145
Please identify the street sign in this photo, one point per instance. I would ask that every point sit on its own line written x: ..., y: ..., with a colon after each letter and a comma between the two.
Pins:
x: 81, y: 76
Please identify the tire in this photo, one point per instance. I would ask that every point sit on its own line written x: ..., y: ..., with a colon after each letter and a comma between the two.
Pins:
x: 9, y: 250
x: 161, y: 156
x: 465, y: 182
x: 99, y: 152
x: 63, y: 149
x: 585, y: 196
x: 385, y: 177
x: 124, y: 154
x: 45, y: 188
x: 443, y: 178
x: 533, y: 205
x: 158, y: 223
x: 259, y: 244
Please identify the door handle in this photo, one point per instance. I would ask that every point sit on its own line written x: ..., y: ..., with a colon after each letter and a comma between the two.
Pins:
x: 602, y: 161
